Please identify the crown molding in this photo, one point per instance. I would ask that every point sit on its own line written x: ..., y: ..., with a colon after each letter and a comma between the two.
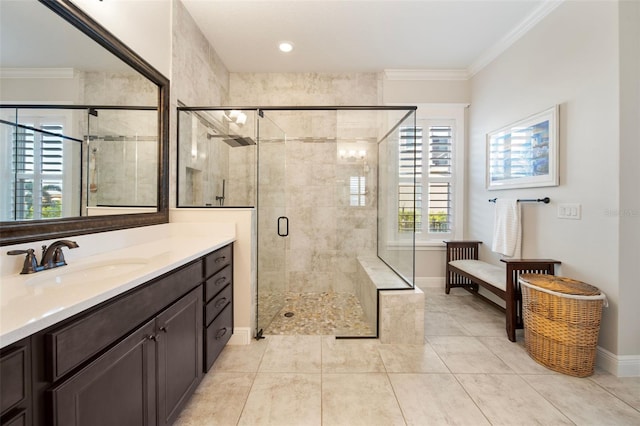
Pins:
x: 408, y: 74
x: 514, y: 35
x: 36, y: 72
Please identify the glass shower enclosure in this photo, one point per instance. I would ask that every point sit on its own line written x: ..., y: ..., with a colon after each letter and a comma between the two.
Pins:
x: 328, y: 184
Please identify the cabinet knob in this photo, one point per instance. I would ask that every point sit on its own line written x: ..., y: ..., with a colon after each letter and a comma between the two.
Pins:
x: 221, y: 333
x: 163, y: 329
x: 152, y: 337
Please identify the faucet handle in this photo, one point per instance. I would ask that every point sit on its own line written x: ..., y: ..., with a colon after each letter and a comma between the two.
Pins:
x: 17, y: 252
x: 30, y: 263
x: 58, y: 257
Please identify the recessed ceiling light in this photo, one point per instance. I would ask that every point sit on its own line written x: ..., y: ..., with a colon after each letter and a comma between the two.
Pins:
x: 285, y: 46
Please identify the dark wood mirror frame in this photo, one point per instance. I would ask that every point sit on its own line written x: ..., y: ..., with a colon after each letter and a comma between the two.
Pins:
x: 37, y: 230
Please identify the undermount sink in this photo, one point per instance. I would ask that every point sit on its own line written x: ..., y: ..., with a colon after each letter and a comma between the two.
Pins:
x: 79, y: 274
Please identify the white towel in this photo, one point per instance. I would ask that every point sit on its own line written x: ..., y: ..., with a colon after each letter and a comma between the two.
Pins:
x: 507, y: 230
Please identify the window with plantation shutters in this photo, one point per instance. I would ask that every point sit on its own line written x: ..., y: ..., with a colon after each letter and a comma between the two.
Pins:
x: 426, y: 179
x: 440, y: 146
x: 37, y: 171
x: 357, y: 191
x: 409, y: 179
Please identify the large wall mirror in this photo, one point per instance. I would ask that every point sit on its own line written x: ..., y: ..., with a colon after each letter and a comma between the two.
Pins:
x: 84, y: 126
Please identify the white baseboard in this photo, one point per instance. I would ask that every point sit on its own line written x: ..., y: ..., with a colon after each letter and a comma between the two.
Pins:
x: 618, y: 365
x: 430, y: 282
x: 241, y: 336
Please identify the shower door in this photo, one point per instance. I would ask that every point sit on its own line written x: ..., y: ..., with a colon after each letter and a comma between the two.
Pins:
x: 273, y: 223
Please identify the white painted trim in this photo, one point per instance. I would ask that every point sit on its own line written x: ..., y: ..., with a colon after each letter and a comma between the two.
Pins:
x: 425, y: 75
x: 430, y: 282
x: 514, y: 35
x: 618, y: 365
x: 241, y: 336
x: 36, y: 72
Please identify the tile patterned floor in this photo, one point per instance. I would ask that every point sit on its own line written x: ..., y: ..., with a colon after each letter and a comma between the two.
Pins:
x: 466, y: 373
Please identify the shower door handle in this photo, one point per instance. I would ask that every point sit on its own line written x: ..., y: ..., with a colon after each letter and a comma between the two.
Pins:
x: 284, y: 219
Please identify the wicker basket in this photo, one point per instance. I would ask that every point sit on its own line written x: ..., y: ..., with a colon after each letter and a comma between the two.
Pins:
x: 561, y: 322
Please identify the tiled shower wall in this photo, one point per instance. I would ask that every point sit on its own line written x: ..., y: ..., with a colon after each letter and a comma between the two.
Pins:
x: 308, y: 180
x: 122, y: 157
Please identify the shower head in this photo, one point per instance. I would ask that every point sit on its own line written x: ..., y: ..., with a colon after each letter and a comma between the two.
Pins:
x: 233, y: 140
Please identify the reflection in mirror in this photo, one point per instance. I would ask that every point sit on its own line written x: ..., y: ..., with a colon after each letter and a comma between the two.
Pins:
x: 122, y: 161
x: 216, y: 157
x: 41, y: 163
x: 58, y: 68
x: 43, y: 151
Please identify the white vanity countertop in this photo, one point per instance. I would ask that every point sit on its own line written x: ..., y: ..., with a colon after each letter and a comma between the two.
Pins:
x: 30, y: 303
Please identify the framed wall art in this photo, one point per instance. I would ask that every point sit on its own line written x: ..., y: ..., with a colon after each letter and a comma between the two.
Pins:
x: 524, y: 154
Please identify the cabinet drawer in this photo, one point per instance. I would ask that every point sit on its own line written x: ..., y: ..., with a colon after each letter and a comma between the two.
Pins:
x: 76, y: 342
x: 217, y: 335
x: 218, y: 260
x: 215, y: 306
x: 217, y: 282
x: 14, y: 377
x: 19, y: 418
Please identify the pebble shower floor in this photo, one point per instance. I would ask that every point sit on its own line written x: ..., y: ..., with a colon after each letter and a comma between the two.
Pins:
x: 338, y: 314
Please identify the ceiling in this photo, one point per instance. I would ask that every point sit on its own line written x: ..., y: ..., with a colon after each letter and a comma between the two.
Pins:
x: 362, y: 35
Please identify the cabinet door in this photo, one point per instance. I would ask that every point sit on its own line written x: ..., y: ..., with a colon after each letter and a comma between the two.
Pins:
x: 15, y: 382
x: 179, y: 354
x: 118, y: 388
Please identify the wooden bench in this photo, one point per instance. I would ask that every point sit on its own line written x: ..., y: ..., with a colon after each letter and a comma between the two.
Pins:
x: 463, y: 269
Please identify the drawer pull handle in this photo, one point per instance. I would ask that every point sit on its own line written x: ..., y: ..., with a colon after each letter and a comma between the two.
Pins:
x: 221, y: 333
x: 221, y: 302
x: 220, y: 280
x: 220, y: 259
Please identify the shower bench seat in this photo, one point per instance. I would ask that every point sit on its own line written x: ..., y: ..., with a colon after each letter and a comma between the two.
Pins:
x: 390, y: 305
x: 463, y: 269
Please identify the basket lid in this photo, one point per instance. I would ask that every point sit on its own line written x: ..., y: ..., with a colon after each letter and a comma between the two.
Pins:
x: 560, y: 284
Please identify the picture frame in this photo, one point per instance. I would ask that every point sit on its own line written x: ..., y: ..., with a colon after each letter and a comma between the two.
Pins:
x: 524, y: 154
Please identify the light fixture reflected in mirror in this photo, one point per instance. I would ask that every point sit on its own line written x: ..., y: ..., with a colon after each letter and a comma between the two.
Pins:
x: 352, y: 154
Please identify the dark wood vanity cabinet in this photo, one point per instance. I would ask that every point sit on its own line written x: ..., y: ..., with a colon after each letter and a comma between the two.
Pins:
x: 15, y: 384
x: 179, y: 350
x: 218, y: 309
x: 133, y: 360
x: 157, y: 363
x: 118, y: 388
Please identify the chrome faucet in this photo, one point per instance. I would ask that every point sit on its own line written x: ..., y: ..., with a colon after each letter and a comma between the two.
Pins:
x: 52, y: 256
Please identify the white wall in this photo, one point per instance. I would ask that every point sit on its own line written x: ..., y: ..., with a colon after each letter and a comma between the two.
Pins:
x: 629, y: 338
x: 571, y: 59
x: 410, y: 92
x: 244, y: 274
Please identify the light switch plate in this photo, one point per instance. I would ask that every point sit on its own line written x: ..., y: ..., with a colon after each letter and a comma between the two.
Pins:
x: 570, y: 211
